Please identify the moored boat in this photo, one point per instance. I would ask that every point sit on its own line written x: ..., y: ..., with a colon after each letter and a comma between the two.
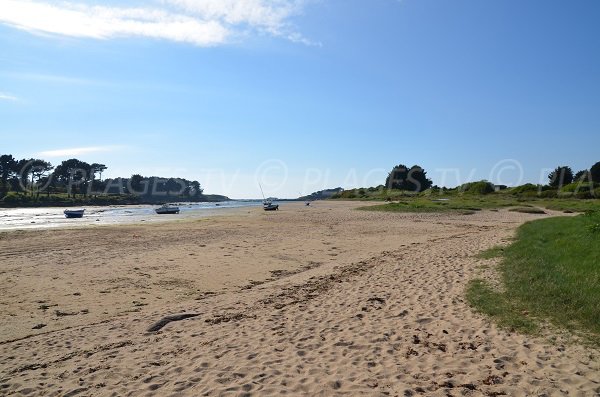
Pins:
x: 74, y: 213
x: 167, y: 209
x: 269, y: 206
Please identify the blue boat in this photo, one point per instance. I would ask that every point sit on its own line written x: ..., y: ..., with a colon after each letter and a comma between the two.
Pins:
x: 74, y: 213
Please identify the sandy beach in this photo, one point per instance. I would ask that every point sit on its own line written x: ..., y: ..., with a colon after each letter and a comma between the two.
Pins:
x: 320, y: 300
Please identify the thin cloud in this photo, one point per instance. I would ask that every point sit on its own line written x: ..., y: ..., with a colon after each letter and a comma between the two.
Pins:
x: 199, y: 22
x: 50, y: 78
x: 7, y: 97
x: 78, y: 151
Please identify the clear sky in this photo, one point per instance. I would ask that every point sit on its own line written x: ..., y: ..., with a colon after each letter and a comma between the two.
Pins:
x: 303, y: 94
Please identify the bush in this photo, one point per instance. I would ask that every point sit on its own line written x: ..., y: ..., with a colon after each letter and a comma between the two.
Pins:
x: 585, y: 194
x: 481, y: 187
x: 12, y: 198
x: 549, y: 194
x: 346, y: 194
x: 526, y: 188
x: 578, y: 187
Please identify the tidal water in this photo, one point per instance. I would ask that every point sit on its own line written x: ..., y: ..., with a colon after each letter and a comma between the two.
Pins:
x: 53, y: 217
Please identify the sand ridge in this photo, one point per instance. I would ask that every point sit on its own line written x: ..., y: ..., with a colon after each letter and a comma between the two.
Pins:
x: 385, y: 315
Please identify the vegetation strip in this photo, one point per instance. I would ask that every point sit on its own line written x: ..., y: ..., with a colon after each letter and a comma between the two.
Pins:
x: 551, y: 272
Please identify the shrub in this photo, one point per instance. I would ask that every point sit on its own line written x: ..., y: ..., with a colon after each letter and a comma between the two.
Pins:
x: 578, y: 187
x: 480, y: 187
x: 549, y: 194
x: 526, y: 188
x: 12, y: 198
x: 347, y: 194
x: 585, y: 195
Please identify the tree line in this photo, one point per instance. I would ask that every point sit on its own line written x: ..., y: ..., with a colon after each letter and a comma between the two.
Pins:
x: 34, y: 177
x: 414, y: 179
x: 563, y: 175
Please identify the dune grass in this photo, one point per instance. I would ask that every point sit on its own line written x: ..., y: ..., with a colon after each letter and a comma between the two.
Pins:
x: 462, y: 204
x: 467, y: 204
x: 551, y: 272
x: 507, y: 313
x: 494, y: 252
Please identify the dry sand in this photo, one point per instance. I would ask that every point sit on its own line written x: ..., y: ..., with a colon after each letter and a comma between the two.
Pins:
x: 319, y: 300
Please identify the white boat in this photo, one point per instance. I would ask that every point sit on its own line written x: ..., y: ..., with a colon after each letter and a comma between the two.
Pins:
x: 268, y: 202
x: 269, y: 206
x: 167, y: 209
x: 74, y: 213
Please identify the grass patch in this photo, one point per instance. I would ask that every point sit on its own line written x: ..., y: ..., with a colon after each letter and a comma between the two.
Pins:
x: 467, y: 199
x: 494, y: 252
x: 572, y: 205
x: 420, y: 206
x: 463, y: 205
x: 551, y: 271
x: 468, y: 203
x: 496, y: 305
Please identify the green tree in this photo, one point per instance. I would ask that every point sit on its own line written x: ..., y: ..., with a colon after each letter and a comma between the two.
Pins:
x: 7, y: 167
x: 412, y: 179
x: 595, y: 172
x: 136, y: 184
x: 581, y: 176
x: 196, y: 189
x: 73, y: 173
x: 561, y: 176
x: 37, y: 169
x: 21, y: 172
x: 47, y: 182
x: 174, y: 185
x: 96, y: 168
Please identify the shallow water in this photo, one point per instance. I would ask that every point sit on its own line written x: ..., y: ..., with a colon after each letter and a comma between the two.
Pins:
x: 52, y: 217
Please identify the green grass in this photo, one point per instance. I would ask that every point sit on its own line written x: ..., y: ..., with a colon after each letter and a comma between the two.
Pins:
x: 422, y: 207
x: 462, y: 204
x: 469, y: 203
x: 494, y: 252
x: 496, y: 305
x: 551, y: 272
x: 573, y: 205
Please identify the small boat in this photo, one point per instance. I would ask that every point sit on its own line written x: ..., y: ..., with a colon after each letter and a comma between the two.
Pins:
x: 267, y: 202
x: 167, y: 209
x: 269, y: 206
x: 74, y: 213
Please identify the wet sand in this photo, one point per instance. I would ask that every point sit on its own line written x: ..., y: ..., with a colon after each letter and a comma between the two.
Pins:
x: 321, y: 300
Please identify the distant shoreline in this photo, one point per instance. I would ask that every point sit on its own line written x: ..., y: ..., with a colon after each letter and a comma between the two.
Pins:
x: 108, y: 200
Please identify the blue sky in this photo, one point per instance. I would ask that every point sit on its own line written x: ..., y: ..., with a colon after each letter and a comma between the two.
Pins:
x: 303, y: 94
